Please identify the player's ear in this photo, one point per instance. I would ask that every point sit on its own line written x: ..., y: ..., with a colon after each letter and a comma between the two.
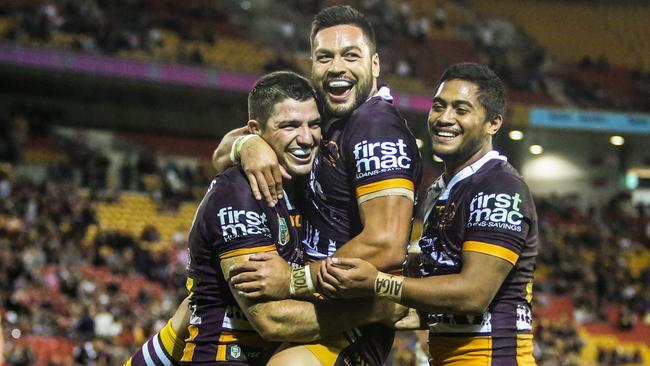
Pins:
x: 375, y: 65
x: 254, y: 126
x: 494, y: 125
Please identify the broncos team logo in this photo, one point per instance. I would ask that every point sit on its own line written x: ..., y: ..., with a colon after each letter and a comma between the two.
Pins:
x: 330, y: 151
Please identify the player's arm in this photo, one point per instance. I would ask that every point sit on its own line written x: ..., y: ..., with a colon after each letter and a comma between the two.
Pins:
x: 168, y: 344
x: 221, y: 155
x: 384, y: 195
x: 386, y: 226
x: 382, y: 241
x: 469, y: 292
x: 292, y: 320
x: 413, y: 320
x: 258, y: 160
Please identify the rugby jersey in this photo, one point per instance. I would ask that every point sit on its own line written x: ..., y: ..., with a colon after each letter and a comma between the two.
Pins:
x: 230, y: 222
x: 485, y: 208
x: 369, y: 151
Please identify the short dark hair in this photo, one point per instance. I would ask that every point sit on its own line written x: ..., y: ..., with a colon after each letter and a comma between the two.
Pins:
x: 340, y: 15
x: 273, y: 88
x: 491, y: 92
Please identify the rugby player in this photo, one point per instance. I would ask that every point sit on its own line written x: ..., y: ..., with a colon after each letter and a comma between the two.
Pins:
x: 230, y: 225
x: 479, y: 239
x: 367, y: 156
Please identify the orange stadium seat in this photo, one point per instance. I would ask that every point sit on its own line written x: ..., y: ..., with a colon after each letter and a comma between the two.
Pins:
x: 573, y: 30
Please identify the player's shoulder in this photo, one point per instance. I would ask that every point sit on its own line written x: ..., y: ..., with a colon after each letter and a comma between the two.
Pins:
x: 376, y: 111
x: 499, y: 175
x: 231, y: 187
x: 497, y: 170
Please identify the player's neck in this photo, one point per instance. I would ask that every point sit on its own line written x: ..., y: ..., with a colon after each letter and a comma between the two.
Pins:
x: 289, y: 186
x: 452, y: 167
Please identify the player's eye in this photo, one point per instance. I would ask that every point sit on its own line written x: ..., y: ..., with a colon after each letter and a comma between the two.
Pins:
x: 351, y: 56
x: 322, y: 58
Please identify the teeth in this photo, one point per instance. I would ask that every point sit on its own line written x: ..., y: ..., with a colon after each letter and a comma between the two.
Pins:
x: 446, y: 134
x: 339, y: 84
x: 301, y: 153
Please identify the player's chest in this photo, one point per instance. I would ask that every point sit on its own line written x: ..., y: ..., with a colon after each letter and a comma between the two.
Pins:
x: 442, y: 238
x: 330, y: 179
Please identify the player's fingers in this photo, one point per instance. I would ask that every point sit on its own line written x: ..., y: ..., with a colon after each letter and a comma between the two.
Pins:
x: 264, y: 188
x: 271, y: 182
x: 247, y: 287
x: 243, y: 273
x: 284, y: 173
x: 325, y: 289
x: 277, y: 176
x: 345, y: 262
x: 253, y: 182
x: 254, y: 295
x: 330, y: 274
x: 260, y: 257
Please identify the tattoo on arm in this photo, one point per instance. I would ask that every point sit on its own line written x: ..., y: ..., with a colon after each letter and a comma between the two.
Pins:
x: 253, y: 310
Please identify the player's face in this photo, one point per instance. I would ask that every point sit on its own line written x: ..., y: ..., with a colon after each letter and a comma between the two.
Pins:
x: 343, y: 69
x: 457, y: 122
x: 293, y: 131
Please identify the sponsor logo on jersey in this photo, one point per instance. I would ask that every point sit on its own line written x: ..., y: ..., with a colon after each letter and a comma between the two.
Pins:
x: 373, y: 158
x: 496, y: 210
x: 238, y: 223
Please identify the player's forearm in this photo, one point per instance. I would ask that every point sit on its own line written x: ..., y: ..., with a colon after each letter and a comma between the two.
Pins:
x: 181, y: 319
x: 449, y: 294
x: 386, y: 226
x: 221, y: 155
x: 381, y: 255
x: 300, y: 321
x: 469, y: 292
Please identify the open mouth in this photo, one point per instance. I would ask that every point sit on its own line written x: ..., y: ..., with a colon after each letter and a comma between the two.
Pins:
x: 339, y: 88
x: 301, y: 154
x: 445, y: 135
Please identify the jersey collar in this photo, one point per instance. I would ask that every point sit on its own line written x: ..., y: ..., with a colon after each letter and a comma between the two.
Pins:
x: 468, y: 171
x: 384, y: 93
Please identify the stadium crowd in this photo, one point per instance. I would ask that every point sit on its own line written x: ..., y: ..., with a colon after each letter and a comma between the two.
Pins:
x: 405, y: 31
x: 101, y: 295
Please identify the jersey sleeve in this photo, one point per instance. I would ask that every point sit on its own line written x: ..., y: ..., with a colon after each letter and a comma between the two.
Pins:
x: 237, y: 222
x: 500, y: 213
x: 382, y: 154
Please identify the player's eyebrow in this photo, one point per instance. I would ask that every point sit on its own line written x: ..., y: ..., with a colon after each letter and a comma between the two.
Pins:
x: 461, y: 102
x: 350, y: 48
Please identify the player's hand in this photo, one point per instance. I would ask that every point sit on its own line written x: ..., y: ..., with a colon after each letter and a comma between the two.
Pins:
x: 265, y: 276
x: 264, y: 173
x: 398, y: 313
x: 346, y: 278
x: 410, y: 321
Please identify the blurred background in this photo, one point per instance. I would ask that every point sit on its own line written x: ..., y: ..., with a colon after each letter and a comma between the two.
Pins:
x: 110, y: 109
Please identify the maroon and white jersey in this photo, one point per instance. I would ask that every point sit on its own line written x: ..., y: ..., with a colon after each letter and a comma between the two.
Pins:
x: 485, y: 208
x: 369, y: 154
x: 230, y: 222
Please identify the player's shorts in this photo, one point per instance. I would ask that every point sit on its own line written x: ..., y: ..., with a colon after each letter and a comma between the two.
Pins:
x: 481, y: 350
x: 369, y: 345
